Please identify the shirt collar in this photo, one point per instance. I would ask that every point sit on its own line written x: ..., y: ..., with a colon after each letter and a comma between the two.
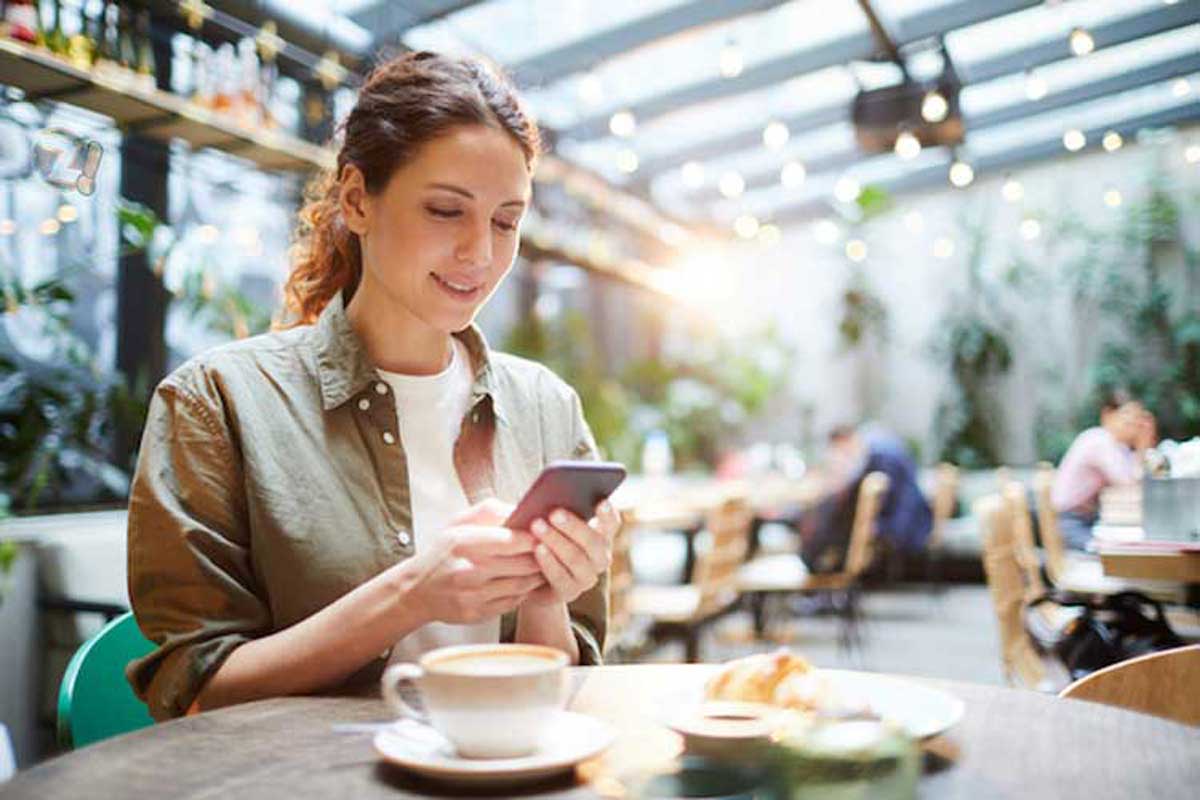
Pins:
x: 344, y: 369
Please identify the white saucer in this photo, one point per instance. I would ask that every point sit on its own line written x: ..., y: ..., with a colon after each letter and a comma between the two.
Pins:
x: 569, y: 739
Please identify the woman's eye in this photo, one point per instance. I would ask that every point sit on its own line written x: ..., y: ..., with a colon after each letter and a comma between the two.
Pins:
x: 506, y: 226
x: 444, y: 213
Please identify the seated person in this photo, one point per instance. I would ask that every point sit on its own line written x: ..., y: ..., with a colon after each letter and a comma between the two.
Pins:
x: 1099, y: 457
x: 905, y: 519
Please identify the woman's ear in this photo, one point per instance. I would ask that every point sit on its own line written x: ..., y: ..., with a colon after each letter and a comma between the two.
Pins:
x: 354, y: 199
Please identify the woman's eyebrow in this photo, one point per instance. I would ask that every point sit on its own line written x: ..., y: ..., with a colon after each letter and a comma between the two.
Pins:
x: 449, y: 187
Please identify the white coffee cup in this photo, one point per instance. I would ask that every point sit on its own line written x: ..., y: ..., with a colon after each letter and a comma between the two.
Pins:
x: 488, y: 700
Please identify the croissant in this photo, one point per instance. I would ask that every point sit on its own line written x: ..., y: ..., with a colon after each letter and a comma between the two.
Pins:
x: 761, y: 678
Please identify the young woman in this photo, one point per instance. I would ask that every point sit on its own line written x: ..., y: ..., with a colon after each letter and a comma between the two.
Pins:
x: 316, y: 502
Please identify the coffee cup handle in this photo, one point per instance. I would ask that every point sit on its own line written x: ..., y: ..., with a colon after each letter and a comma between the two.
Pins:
x: 391, y: 695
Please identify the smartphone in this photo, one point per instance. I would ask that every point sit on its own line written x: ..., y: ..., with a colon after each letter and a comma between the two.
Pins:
x: 577, y: 486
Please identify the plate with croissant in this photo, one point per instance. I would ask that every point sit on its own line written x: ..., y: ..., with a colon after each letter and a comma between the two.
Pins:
x: 751, y: 697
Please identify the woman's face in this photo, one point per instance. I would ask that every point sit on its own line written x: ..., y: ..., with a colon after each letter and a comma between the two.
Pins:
x: 443, y: 233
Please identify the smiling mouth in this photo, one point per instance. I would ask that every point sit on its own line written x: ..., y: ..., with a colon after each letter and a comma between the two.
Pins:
x: 460, y: 290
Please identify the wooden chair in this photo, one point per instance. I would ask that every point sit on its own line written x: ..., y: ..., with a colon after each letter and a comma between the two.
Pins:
x: 786, y: 574
x: 1023, y: 665
x: 683, y: 611
x: 1160, y: 684
x: 943, y: 502
x: 620, y: 586
x: 1024, y: 547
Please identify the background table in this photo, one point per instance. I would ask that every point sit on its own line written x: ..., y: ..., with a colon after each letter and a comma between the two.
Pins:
x: 1011, y: 743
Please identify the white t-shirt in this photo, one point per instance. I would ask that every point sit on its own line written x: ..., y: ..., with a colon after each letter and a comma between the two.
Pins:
x: 430, y: 410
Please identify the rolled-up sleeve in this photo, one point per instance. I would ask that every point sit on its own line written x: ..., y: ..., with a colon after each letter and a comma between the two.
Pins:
x: 191, y: 580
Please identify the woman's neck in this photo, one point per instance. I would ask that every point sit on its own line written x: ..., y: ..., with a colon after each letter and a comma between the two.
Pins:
x: 397, y: 340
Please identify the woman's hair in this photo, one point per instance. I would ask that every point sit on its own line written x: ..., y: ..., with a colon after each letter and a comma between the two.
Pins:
x: 404, y: 103
x: 1113, y: 397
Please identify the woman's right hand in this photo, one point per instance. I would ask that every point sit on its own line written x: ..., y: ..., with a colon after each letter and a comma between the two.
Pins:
x: 476, y: 571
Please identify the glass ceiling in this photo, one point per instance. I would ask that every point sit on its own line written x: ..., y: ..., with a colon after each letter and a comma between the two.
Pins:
x: 720, y: 125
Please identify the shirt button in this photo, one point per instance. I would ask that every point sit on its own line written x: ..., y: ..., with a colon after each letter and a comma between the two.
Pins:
x: 381, y: 388
x: 364, y: 404
x: 405, y: 538
x: 388, y: 438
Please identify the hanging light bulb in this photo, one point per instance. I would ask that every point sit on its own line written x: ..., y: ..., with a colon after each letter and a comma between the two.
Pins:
x: 934, y: 107
x: 692, y: 175
x: 731, y: 185
x: 856, y: 250
x: 961, y: 174
x: 745, y: 226
x: 1074, y: 140
x: 1112, y: 198
x: 591, y: 89
x: 1081, y: 42
x: 1030, y: 229
x: 1182, y: 87
x: 908, y: 146
x: 847, y: 189
x: 1112, y: 141
x: 627, y: 161
x: 622, y: 124
x: 1012, y: 190
x: 67, y: 213
x: 793, y: 174
x: 775, y: 135
x: 731, y: 60
x: 1035, y: 86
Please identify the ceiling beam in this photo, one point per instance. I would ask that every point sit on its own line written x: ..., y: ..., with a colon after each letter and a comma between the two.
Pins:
x: 1146, y: 76
x: 583, y: 54
x: 935, y: 175
x: 851, y: 47
x: 389, y: 20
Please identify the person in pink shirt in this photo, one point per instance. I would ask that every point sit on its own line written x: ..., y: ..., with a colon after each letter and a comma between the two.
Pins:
x: 1102, y: 456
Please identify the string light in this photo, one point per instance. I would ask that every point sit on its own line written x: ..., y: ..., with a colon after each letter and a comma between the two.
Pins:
x: 1192, y: 154
x: 731, y: 60
x: 856, y: 250
x: 627, y: 161
x: 793, y: 174
x: 745, y: 226
x: 1081, y: 42
x: 1112, y: 198
x: 943, y: 247
x: 67, y: 213
x: 847, y: 189
x: 775, y: 135
x: 934, y: 107
x: 622, y: 124
x: 961, y: 174
x: 914, y: 221
x: 1035, y: 86
x: 1074, y: 140
x: 692, y: 175
x: 731, y: 185
x: 908, y: 146
x: 1112, y: 141
x: 1181, y: 87
x: 1012, y: 190
x: 49, y: 227
x: 1030, y: 229
x: 591, y: 90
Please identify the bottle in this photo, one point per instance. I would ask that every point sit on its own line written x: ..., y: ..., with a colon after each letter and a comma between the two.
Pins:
x: 248, y: 105
x: 126, y: 47
x: 202, y: 64
x: 105, y: 34
x: 144, y: 64
x: 23, y: 20
x: 81, y: 47
x: 223, y: 77
x: 56, y: 40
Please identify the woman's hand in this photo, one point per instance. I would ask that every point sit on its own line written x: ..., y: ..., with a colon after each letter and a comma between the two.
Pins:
x: 572, y: 554
x: 477, y: 571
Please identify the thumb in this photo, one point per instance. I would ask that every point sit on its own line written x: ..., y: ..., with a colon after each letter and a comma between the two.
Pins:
x: 491, y: 511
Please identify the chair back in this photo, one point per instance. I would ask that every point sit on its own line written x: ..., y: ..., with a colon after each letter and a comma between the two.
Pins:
x: 95, y: 701
x: 1162, y: 684
x: 620, y: 579
x: 716, y: 571
x: 945, y: 499
x: 1005, y: 584
x: 862, y: 535
x: 1052, y: 540
x: 1024, y: 548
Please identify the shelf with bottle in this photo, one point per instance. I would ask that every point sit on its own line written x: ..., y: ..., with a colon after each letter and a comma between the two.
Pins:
x: 110, y: 70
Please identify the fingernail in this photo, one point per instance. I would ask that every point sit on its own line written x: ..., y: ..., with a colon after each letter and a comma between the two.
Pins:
x: 539, y: 527
x: 559, y: 517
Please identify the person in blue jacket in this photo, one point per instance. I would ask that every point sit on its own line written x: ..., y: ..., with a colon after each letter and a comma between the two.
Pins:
x: 905, y: 518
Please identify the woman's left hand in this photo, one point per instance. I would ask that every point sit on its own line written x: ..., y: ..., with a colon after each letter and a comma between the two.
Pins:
x: 573, y: 554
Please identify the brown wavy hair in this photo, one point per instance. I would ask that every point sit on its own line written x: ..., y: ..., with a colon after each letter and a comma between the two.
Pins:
x: 404, y: 103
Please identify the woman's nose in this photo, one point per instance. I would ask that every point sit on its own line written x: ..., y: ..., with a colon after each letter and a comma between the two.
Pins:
x: 475, y: 248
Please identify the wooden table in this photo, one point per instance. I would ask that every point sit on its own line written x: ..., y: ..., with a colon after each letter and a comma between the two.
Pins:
x: 1155, y: 561
x: 1011, y: 743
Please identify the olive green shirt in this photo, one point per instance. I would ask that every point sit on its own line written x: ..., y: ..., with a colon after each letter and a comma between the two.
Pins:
x: 272, y: 480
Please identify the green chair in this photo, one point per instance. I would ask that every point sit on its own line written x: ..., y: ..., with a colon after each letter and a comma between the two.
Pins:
x: 95, y: 700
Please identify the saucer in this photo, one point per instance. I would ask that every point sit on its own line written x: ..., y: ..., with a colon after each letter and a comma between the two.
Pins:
x: 569, y: 739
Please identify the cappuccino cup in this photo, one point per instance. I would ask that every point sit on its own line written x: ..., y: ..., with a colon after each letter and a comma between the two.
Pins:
x: 488, y: 700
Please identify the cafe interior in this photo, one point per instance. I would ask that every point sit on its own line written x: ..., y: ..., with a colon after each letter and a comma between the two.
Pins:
x: 869, y: 330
